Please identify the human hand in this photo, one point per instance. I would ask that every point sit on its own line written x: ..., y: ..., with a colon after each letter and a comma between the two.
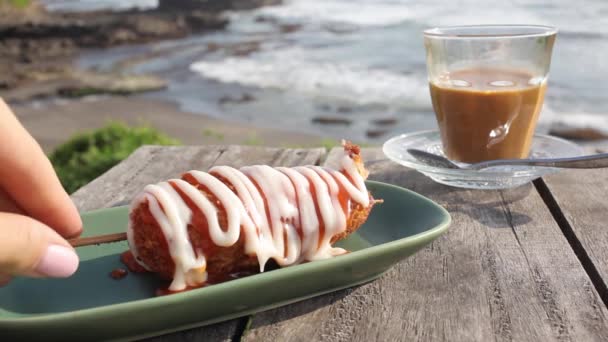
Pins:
x: 36, y: 213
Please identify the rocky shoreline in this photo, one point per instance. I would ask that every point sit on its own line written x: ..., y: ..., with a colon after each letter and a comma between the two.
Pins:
x: 37, y: 47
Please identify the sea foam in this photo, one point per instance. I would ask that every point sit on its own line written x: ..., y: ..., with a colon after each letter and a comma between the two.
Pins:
x: 291, y: 70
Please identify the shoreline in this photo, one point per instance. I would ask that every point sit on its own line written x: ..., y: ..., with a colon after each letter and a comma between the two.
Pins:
x: 56, y: 99
x: 40, y: 68
x: 53, y: 123
x: 38, y: 47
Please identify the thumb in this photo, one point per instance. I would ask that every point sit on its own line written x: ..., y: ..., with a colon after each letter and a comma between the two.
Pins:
x: 30, y: 248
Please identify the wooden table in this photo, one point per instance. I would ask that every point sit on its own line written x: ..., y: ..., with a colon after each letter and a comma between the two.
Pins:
x: 526, y: 264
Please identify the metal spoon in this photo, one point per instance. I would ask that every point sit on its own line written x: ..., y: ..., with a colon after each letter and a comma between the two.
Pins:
x: 593, y: 161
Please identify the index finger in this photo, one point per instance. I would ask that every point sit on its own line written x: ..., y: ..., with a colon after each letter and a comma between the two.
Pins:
x: 27, y: 176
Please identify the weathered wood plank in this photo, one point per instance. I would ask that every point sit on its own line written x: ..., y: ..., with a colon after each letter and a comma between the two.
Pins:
x: 503, y: 272
x: 578, y: 198
x: 152, y: 164
x: 149, y: 164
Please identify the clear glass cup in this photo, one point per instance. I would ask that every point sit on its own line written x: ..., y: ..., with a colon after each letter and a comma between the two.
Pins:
x: 487, y: 86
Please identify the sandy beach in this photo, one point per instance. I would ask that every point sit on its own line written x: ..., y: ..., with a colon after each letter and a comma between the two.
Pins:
x: 53, y: 123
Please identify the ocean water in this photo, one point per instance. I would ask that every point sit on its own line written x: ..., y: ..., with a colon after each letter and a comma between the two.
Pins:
x: 356, y: 68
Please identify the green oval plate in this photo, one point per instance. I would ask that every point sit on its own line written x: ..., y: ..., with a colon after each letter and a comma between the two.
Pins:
x: 92, y: 306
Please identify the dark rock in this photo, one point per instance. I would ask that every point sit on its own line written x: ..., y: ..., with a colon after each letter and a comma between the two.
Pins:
x: 242, y: 99
x: 375, y: 133
x: 340, y: 28
x: 201, y: 21
x: 212, y: 47
x: 265, y: 19
x: 13, y: 51
x: 289, y: 28
x: 212, y: 5
x: 326, y: 120
x: 583, y: 133
x: 385, y: 122
x: 244, y: 49
x: 324, y: 107
x: 344, y: 109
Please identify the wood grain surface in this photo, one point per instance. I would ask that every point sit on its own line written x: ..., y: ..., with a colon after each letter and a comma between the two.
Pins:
x: 579, y: 200
x: 504, y: 271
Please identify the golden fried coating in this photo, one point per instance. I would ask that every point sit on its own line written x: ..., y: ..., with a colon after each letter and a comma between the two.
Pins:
x: 153, y: 251
x: 221, y: 261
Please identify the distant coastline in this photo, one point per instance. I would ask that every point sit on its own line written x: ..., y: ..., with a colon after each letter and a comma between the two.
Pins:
x: 55, y: 99
x: 345, y: 69
x: 37, y: 47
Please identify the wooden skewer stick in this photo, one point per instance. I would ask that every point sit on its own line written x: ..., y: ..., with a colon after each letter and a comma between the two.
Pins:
x: 96, y: 240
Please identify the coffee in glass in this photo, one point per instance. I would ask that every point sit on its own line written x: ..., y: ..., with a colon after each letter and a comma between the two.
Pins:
x: 487, y: 86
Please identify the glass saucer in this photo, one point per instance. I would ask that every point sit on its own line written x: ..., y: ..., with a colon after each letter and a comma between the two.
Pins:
x: 500, y: 177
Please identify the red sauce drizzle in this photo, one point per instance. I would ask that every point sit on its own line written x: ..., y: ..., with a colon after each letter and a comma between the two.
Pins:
x: 199, y: 220
x: 128, y: 260
x: 118, y: 273
x: 313, y: 192
x: 343, y: 198
x: 266, y: 208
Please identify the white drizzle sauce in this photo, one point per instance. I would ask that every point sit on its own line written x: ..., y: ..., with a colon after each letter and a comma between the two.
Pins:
x: 270, y: 228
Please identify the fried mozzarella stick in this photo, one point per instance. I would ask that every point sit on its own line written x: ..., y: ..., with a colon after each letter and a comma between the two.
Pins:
x: 208, y: 225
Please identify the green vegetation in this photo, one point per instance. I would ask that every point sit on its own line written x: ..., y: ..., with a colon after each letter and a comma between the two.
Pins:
x: 253, y: 140
x: 86, y: 156
x: 209, y: 133
x: 328, y: 144
x: 16, y: 3
x: 20, y: 3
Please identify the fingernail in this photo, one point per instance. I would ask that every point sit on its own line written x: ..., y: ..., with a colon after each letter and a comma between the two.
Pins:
x: 58, y: 261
